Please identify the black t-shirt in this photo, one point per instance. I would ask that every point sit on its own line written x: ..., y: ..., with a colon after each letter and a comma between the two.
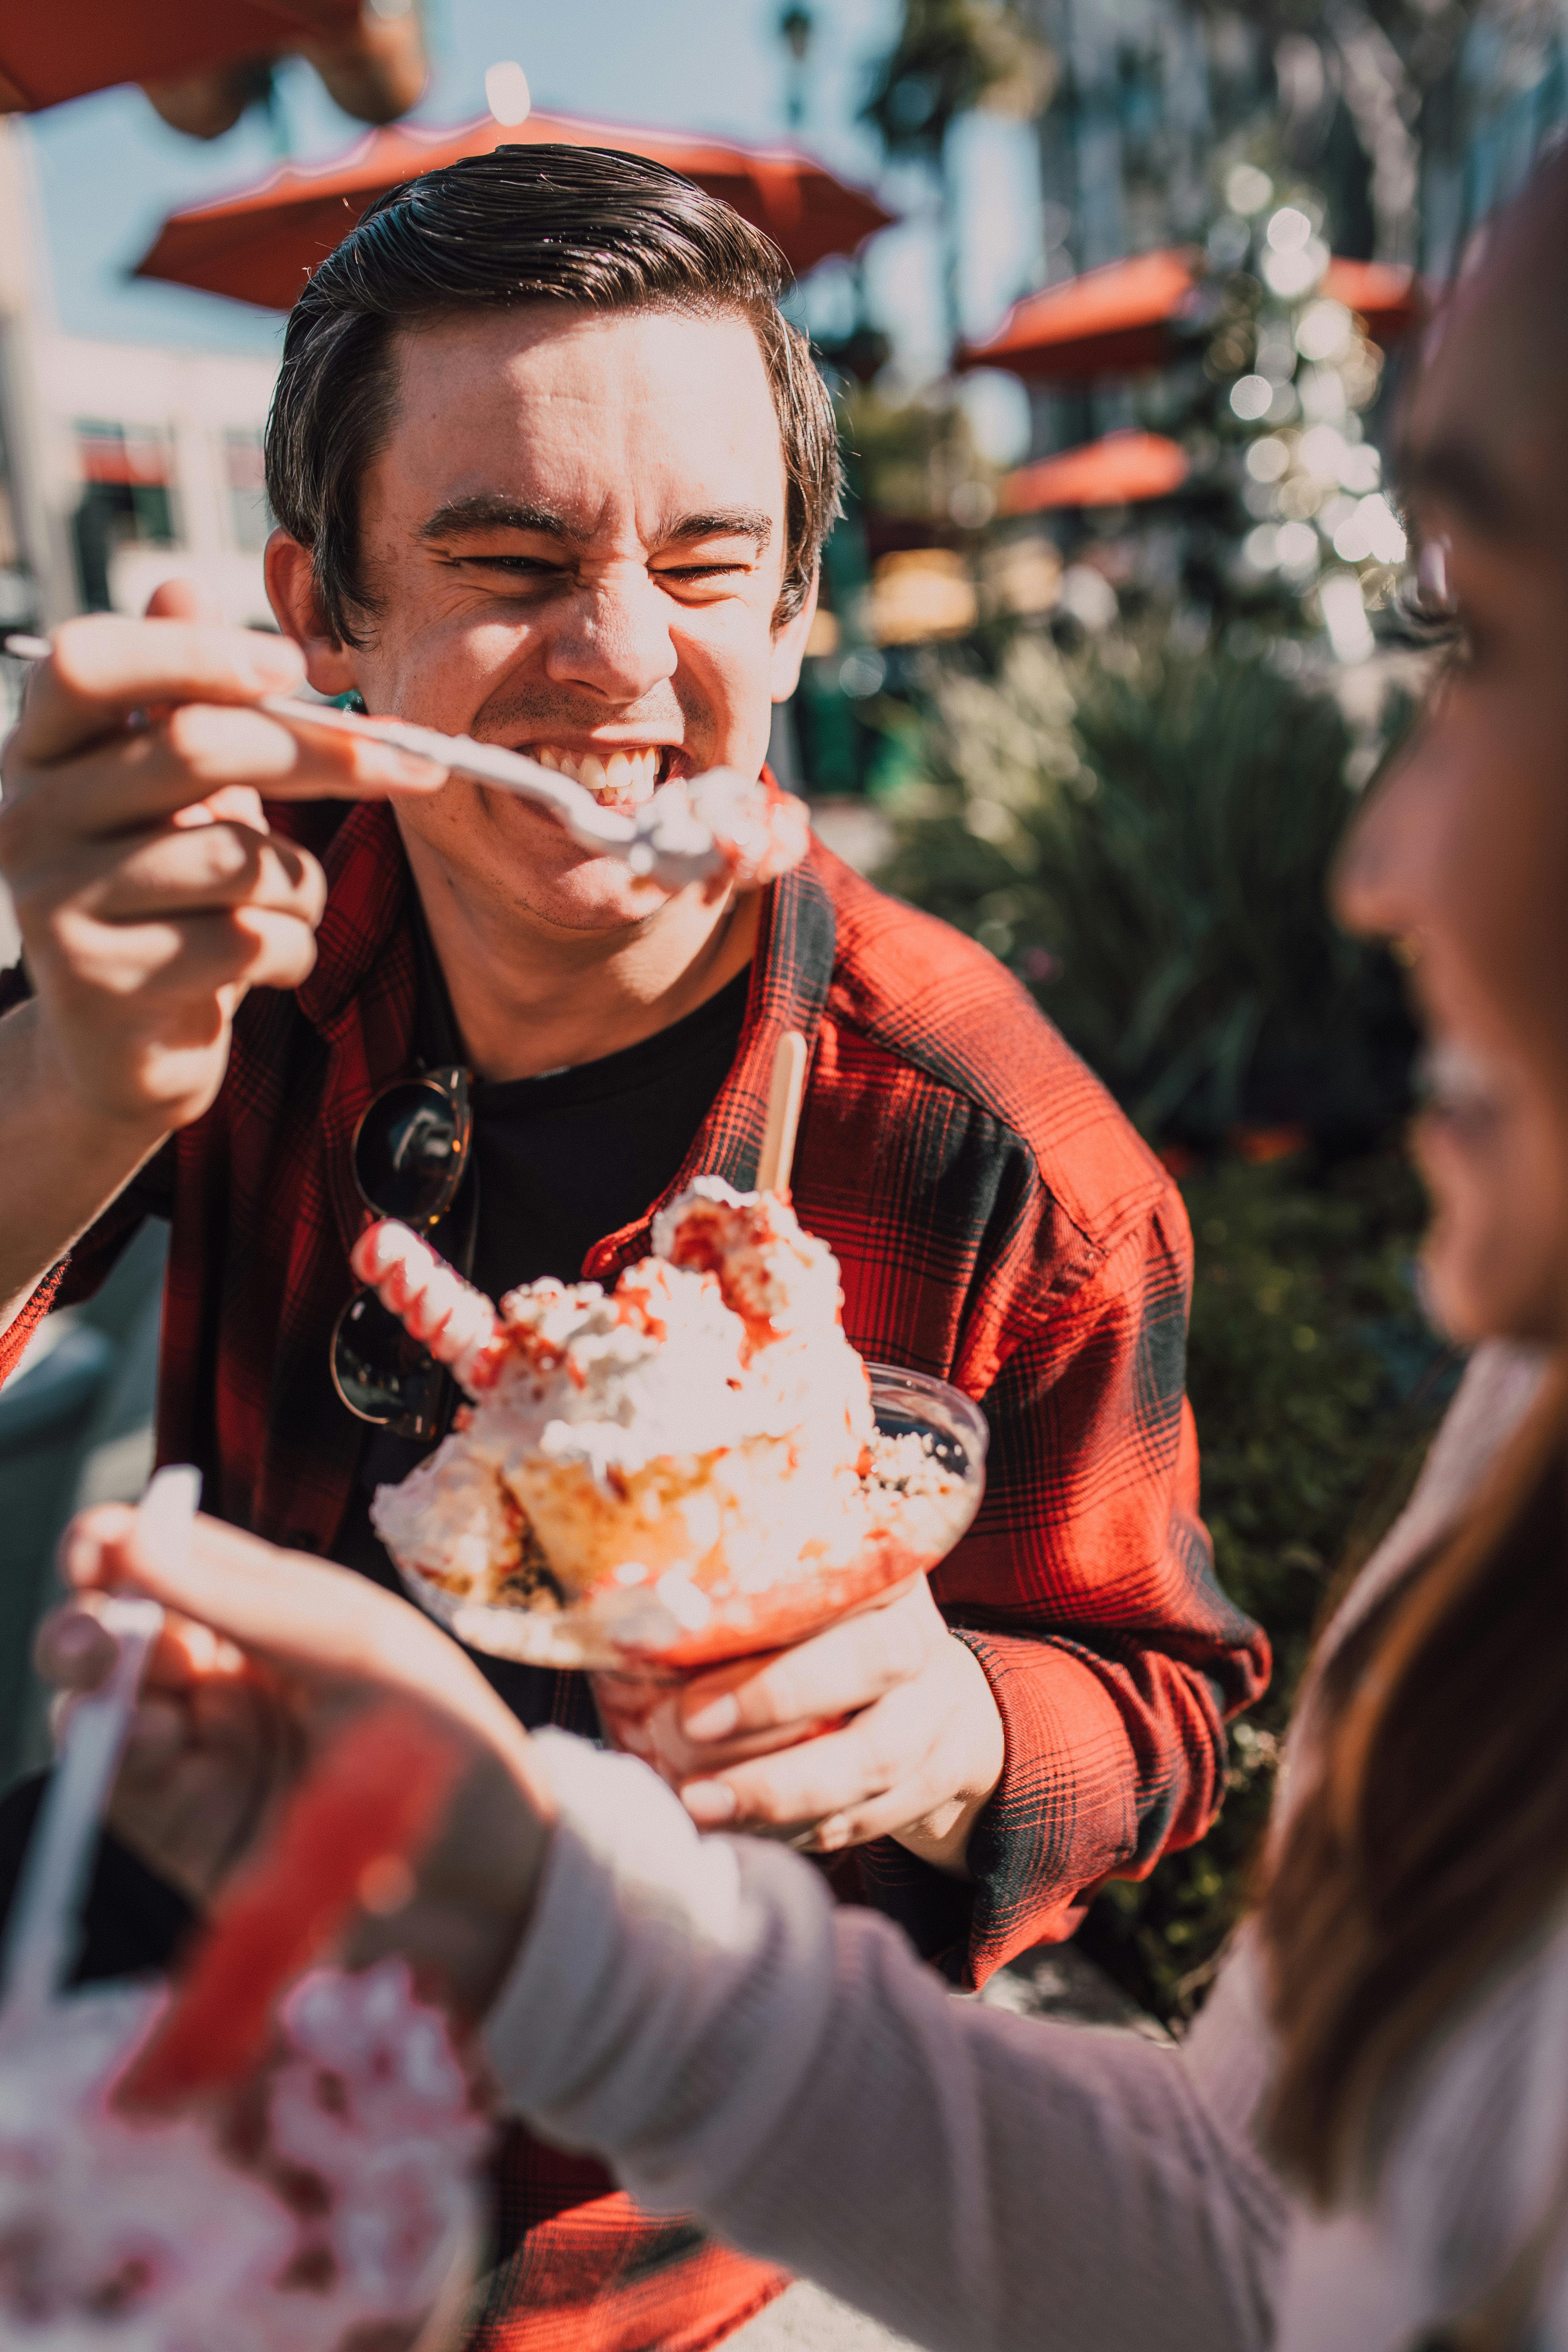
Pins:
x: 563, y: 1161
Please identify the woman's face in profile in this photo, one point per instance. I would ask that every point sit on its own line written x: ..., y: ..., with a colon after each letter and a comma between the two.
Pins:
x: 1462, y: 854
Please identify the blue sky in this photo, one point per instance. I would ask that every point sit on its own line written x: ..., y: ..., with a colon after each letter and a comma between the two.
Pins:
x: 108, y: 170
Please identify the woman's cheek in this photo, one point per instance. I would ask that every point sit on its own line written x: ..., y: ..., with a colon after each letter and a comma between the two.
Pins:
x: 1494, y: 1255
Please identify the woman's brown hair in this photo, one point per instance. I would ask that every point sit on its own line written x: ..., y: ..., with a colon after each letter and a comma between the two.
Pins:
x: 1429, y: 1837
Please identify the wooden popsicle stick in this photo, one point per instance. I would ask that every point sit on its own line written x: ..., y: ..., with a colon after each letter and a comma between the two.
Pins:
x: 777, y: 1153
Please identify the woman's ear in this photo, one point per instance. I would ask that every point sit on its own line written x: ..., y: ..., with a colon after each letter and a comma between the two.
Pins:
x: 789, y: 646
x: 291, y: 593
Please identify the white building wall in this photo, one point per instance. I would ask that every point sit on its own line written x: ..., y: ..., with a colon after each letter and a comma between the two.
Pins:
x: 49, y: 381
x: 190, y: 400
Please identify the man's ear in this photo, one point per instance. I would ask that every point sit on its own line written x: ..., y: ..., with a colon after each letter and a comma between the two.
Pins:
x: 789, y: 646
x: 291, y: 593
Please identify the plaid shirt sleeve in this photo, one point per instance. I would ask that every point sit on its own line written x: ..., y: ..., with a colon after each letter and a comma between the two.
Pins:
x: 997, y: 1222
x: 80, y: 1273
x: 1086, y: 1591
x: 15, y: 991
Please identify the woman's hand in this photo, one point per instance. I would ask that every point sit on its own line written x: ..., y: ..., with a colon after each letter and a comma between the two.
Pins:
x: 264, y: 1655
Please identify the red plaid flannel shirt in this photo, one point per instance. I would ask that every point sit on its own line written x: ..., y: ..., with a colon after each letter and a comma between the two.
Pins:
x: 996, y: 1221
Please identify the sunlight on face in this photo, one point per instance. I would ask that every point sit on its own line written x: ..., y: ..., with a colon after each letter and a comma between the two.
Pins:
x: 1464, y: 851
x: 575, y: 537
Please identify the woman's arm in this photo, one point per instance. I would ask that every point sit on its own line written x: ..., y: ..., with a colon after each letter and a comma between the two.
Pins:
x: 700, y: 2013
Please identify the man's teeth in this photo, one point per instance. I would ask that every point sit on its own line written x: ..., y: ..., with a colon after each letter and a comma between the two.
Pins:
x: 624, y: 779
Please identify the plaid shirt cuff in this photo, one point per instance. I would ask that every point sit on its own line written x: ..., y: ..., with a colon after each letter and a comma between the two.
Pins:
x: 1076, y: 1801
x: 12, y: 1342
x: 1072, y: 1806
x: 15, y: 991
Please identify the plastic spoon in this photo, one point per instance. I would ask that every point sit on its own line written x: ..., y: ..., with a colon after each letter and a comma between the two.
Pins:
x: 785, y: 1089
x: 41, y: 1944
x: 665, y: 841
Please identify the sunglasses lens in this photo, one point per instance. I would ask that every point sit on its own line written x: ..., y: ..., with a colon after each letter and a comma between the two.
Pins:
x: 408, y: 1153
x: 384, y: 1375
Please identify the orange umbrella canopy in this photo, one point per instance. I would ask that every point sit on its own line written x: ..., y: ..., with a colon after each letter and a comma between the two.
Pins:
x: 260, y: 245
x: 1127, y: 317
x: 1390, y: 299
x: 47, y: 55
x: 1123, y: 468
x: 1109, y: 321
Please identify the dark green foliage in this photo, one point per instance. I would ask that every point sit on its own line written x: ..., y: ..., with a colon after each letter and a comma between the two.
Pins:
x: 1160, y: 880
x: 1316, y: 1385
x: 948, y: 57
x: 1199, y: 966
x: 1154, y: 829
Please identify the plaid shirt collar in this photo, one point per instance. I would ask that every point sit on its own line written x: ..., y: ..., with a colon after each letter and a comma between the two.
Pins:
x: 365, y: 935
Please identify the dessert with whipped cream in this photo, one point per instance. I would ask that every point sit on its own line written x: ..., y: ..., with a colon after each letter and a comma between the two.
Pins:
x: 250, y: 2157
x: 684, y: 1466
x: 329, y: 2216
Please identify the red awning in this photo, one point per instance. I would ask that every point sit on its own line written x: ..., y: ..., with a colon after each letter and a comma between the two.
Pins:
x: 1117, y: 471
x: 260, y: 245
x: 1391, y: 300
x: 1126, y: 317
x: 51, y: 54
x: 1111, y: 321
x: 111, y: 457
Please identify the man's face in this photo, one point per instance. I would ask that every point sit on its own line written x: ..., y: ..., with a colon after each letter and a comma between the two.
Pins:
x: 1464, y: 851
x: 575, y: 534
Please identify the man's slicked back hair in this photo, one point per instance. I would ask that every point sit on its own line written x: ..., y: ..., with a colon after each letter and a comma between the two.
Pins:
x: 588, y: 226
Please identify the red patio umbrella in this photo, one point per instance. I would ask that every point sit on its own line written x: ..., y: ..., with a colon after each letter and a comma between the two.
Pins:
x: 1115, y: 471
x: 49, y: 55
x: 1128, y: 316
x: 260, y: 245
x: 1390, y: 299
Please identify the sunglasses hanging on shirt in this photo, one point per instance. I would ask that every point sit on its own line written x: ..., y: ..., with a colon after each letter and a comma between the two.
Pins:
x: 411, y: 1151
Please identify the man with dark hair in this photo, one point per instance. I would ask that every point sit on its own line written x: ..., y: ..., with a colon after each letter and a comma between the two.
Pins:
x: 552, y: 469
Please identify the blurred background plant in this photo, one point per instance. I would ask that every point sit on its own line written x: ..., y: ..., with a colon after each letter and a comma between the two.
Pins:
x: 1144, y: 834
x: 1317, y: 1383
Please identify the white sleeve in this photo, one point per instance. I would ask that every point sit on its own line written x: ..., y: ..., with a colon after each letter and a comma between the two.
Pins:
x: 699, y: 2013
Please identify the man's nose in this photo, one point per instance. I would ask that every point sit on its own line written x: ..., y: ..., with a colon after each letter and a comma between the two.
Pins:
x: 612, y: 636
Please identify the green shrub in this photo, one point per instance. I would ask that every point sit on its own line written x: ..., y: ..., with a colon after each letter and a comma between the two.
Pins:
x: 1316, y: 1384
x: 1145, y: 835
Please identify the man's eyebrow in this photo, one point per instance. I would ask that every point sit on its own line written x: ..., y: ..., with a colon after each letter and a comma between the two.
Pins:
x: 489, y: 510
x: 723, y: 522
x: 1462, y: 476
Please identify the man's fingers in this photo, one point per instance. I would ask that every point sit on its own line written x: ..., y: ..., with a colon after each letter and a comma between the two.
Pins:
x: 183, y: 600
x: 920, y: 1798
x: 129, y: 781
x: 185, y: 870
x: 193, y: 869
x: 231, y: 803
x: 175, y: 968
x: 846, y: 1667
x: 882, y: 1750
x: 103, y: 667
